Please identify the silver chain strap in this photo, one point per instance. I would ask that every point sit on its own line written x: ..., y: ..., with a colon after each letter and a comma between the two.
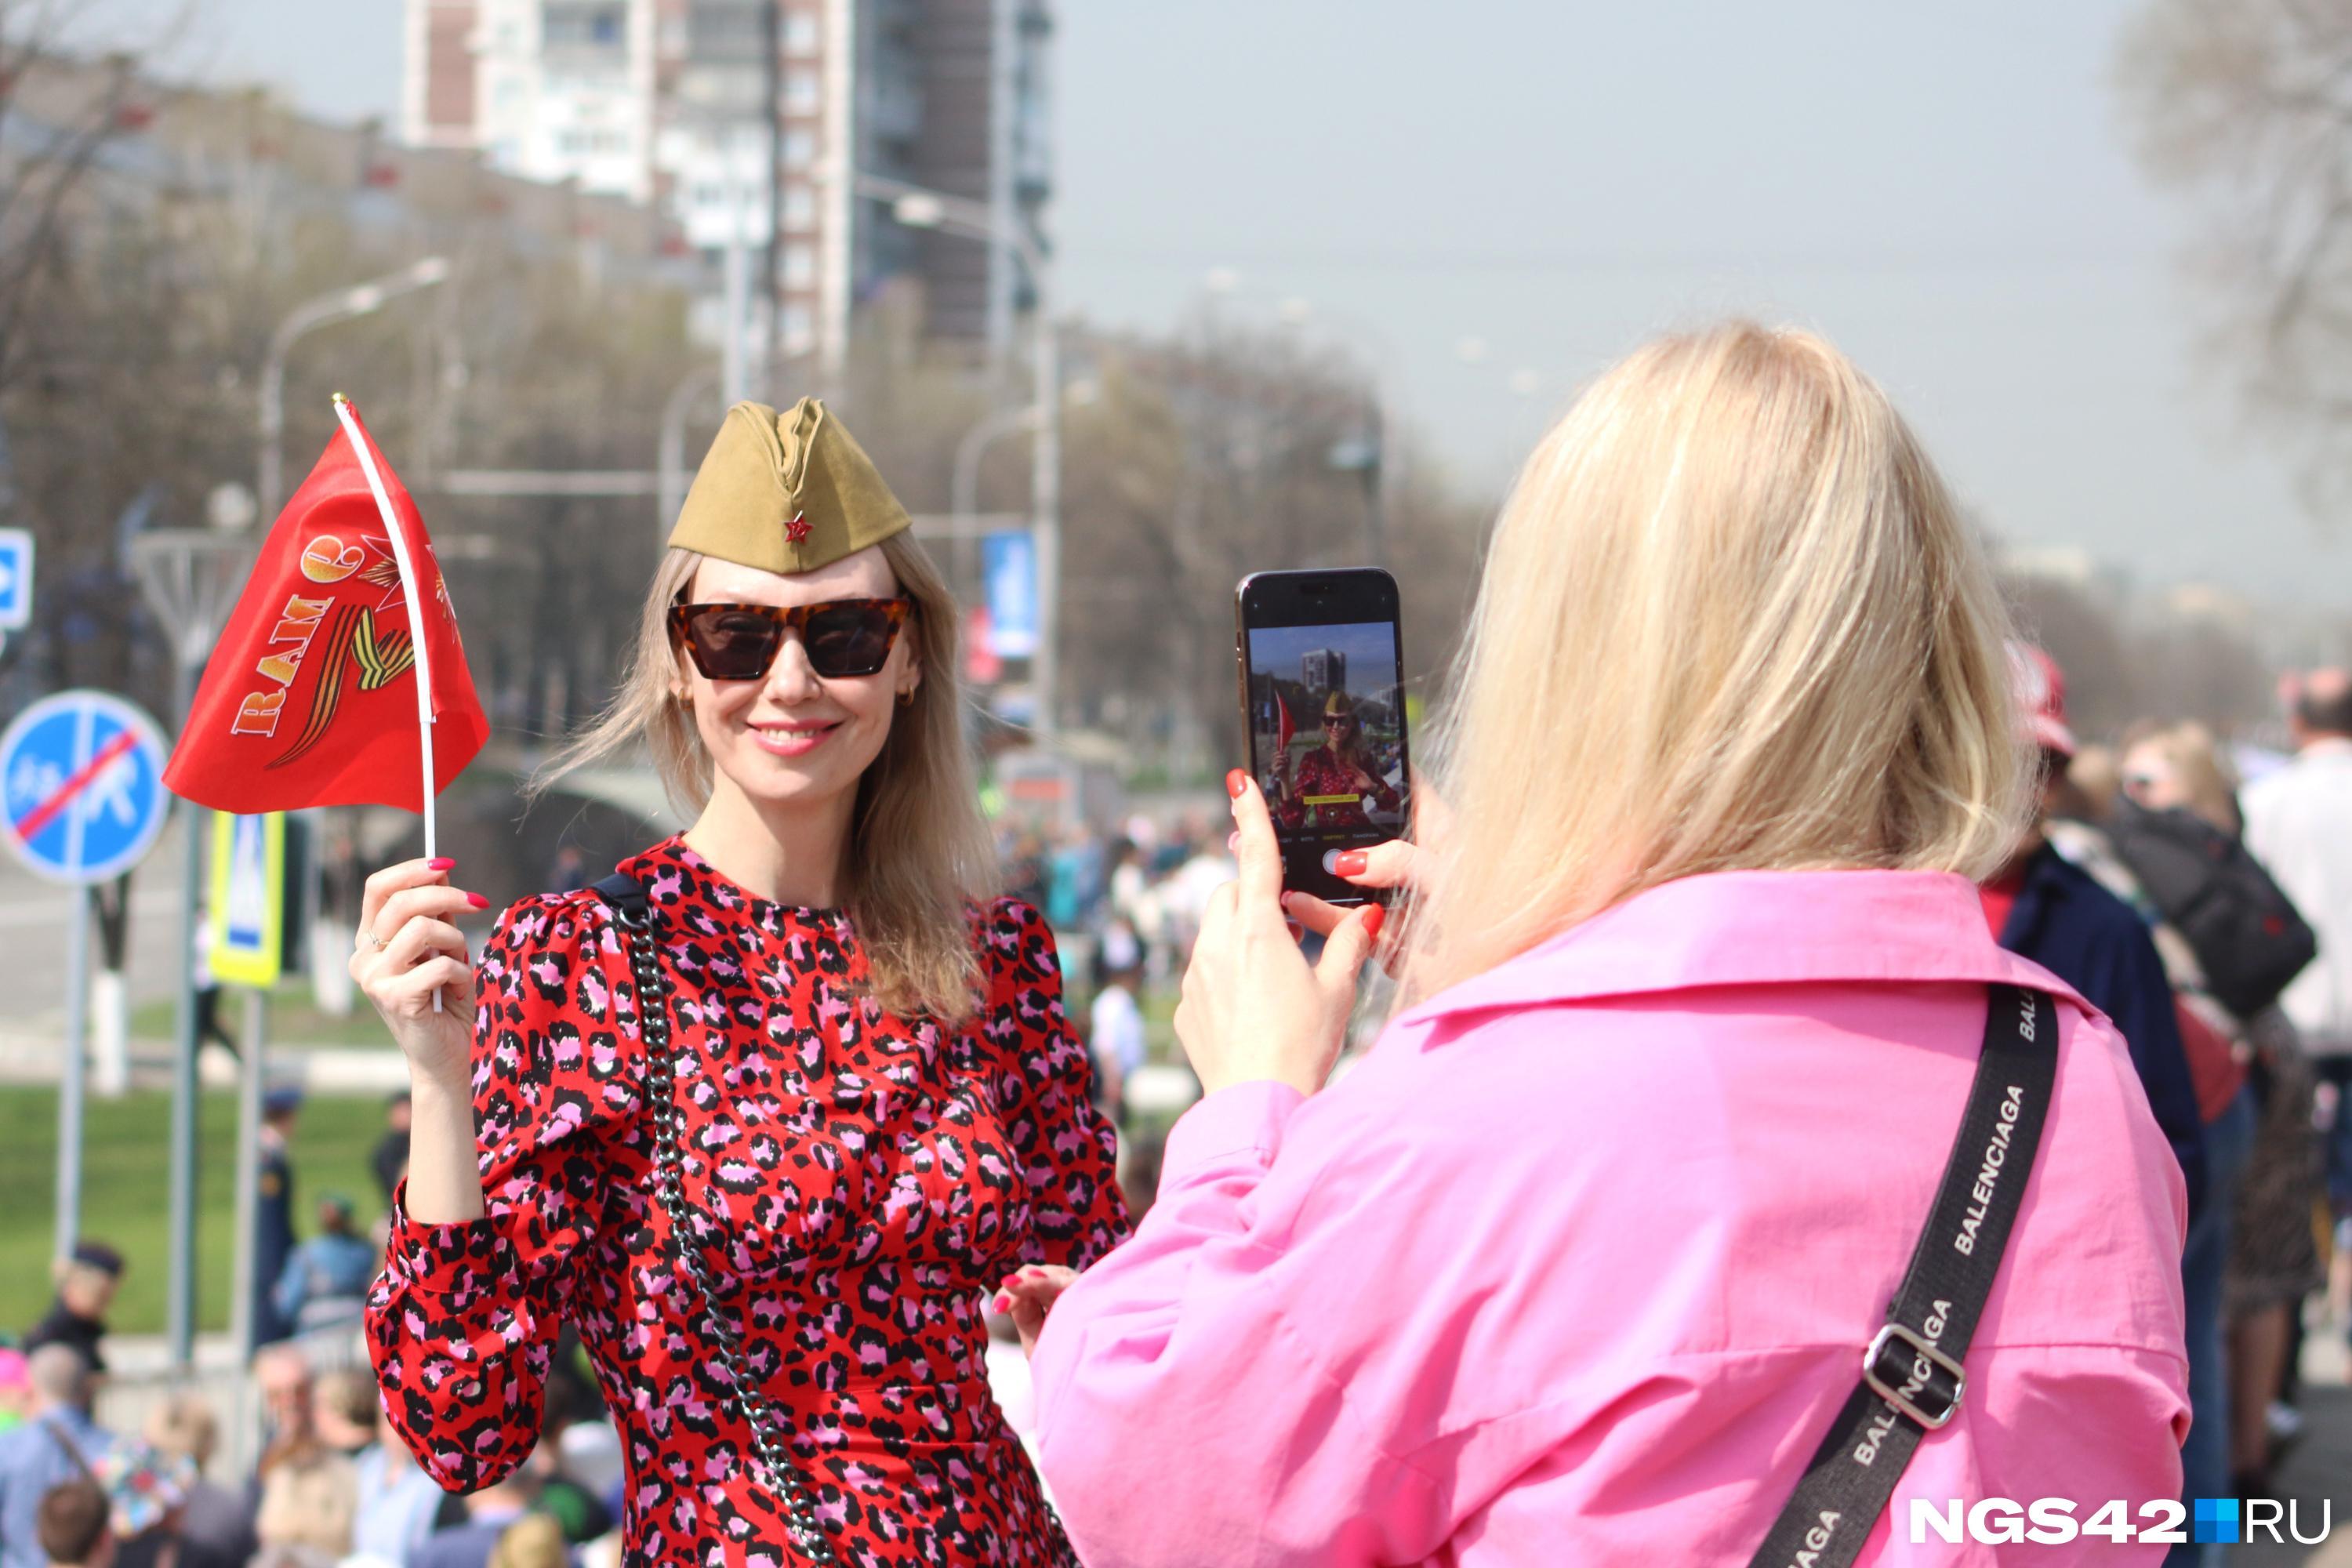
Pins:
x: 653, y: 988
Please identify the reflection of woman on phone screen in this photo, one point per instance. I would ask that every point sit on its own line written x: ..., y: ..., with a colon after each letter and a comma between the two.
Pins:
x: 1333, y: 780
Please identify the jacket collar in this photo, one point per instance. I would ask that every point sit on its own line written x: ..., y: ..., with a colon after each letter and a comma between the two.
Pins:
x: 1758, y: 928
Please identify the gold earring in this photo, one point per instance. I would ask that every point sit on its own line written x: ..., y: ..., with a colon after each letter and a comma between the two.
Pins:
x: 906, y: 697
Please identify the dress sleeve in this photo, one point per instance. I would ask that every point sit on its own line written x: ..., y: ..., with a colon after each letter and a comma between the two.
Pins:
x: 1067, y: 1153
x: 462, y: 1322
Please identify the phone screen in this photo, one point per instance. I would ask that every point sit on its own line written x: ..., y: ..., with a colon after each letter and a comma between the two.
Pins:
x: 1326, y: 717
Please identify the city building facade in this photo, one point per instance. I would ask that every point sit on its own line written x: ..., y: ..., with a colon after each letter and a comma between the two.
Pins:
x: 744, y: 123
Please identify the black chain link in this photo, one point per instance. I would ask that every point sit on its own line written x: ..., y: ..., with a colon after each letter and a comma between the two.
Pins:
x: 685, y: 1225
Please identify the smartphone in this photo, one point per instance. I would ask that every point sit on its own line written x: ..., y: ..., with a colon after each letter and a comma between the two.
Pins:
x: 1322, y: 691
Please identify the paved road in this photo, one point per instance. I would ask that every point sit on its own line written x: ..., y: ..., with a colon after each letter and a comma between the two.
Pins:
x: 2319, y: 1470
x: 33, y: 931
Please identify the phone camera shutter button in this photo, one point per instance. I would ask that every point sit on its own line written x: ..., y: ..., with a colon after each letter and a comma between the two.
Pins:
x: 1330, y: 862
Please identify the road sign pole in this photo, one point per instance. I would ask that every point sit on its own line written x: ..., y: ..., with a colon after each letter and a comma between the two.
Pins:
x: 180, y: 1313
x: 81, y: 800
x: 243, y: 1308
x: 71, y: 1073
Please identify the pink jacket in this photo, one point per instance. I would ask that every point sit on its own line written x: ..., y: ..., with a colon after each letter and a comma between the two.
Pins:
x: 1577, y: 1265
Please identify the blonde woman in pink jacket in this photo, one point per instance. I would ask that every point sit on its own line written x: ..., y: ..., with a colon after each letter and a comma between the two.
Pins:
x: 1580, y: 1264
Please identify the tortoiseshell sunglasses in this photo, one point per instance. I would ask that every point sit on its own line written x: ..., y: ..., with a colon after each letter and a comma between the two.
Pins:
x: 740, y: 642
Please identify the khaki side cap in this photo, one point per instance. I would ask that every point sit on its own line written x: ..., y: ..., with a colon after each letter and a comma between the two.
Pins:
x: 769, y: 477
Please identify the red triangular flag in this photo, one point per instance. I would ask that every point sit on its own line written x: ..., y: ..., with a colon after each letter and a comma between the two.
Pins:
x: 310, y: 695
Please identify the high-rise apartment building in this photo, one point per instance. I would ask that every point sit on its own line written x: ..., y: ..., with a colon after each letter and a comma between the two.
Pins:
x: 718, y: 110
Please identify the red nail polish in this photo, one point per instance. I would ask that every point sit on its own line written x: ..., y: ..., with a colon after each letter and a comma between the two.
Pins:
x: 1374, y: 918
x: 478, y: 902
x: 1349, y: 863
x: 1236, y: 782
x: 440, y: 863
x: 1004, y: 1304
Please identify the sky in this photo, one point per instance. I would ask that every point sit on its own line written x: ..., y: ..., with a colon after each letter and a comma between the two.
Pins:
x: 1947, y: 192
x: 1369, y: 648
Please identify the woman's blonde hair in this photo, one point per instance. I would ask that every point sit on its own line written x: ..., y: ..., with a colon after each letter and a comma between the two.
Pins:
x: 1340, y: 704
x: 2208, y: 782
x: 1731, y: 619
x: 919, y: 848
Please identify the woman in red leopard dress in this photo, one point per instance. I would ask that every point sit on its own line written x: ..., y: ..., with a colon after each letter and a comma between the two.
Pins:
x: 769, y: 1115
x: 1334, y: 786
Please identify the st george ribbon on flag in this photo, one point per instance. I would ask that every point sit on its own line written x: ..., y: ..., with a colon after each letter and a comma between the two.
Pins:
x: 339, y: 679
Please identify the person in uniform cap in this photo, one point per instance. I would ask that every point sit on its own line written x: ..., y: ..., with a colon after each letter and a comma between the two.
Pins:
x: 87, y: 1279
x: 827, y: 1097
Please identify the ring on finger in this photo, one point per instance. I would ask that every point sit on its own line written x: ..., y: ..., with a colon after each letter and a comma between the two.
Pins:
x: 373, y: 941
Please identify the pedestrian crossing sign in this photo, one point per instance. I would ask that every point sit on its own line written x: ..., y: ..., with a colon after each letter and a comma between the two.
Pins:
x: 246, y: 921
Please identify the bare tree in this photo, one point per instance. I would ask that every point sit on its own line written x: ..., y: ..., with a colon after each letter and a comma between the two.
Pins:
x: 59, y: 108
x: 2247, y: 105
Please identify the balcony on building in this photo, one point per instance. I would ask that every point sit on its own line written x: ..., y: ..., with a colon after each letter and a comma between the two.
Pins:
x: 585, y: 36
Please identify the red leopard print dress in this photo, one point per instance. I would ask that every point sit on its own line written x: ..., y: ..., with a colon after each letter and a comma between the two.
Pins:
x: 874, y: 1180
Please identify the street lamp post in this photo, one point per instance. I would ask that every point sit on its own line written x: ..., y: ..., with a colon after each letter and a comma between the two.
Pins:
x: 1367, y: 454
x: 693, y: 387
x: 919, y: 208
x: 190, y: 578
x: 342, y: 305
x: 963, y: 488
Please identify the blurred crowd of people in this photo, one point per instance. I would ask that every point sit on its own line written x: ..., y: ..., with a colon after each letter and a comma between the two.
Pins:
x: 2201, y: 894
x: 331, y: 1483
x: 1135, y: 895
x: 334, y: 1485
x: 2198, y: 894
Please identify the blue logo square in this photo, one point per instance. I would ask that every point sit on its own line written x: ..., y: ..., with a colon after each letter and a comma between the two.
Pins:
x: 2217, y: 1520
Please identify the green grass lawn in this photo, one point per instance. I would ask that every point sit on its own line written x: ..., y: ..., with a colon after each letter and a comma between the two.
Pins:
x: 125, y: 1176
x: 126, y: 1188
x: 293, y: 1019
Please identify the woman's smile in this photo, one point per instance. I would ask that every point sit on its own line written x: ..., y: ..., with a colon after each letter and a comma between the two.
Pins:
x: 794, y: 737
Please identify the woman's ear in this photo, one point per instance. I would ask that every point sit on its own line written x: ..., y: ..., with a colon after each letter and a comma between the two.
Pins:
x: 911, y: 639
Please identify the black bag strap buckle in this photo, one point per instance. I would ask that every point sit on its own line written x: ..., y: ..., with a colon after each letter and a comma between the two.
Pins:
x: 1922, y: 1381
x: 627, y: 899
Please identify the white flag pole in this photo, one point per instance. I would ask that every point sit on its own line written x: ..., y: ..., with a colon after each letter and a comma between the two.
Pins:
x: 412, y: 591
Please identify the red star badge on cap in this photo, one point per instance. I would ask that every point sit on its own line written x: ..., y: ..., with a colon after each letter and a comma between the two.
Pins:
x: 797, y: 529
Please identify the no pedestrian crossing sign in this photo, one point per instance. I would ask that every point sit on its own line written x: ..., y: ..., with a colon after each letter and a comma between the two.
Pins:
x: 82, y: 787
x: 16, y: 579
x: 247, y: 916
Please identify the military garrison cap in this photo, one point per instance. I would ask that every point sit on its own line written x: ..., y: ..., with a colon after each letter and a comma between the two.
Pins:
x: 786, y: 492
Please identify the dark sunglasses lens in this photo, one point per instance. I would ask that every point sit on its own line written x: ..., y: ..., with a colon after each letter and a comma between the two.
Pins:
x: 732, y: 644
x: 850, y: 639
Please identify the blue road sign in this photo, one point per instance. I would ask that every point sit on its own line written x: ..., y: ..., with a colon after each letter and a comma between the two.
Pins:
x: 82, y: 787
x: 16, y: 579
x: 1009, y: 564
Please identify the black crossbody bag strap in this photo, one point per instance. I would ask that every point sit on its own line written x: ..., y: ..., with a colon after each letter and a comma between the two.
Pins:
x: 1912, y: 1376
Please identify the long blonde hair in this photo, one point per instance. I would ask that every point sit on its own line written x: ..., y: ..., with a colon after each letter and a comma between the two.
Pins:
x: 919, y: 847
x: 1729, y: 619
